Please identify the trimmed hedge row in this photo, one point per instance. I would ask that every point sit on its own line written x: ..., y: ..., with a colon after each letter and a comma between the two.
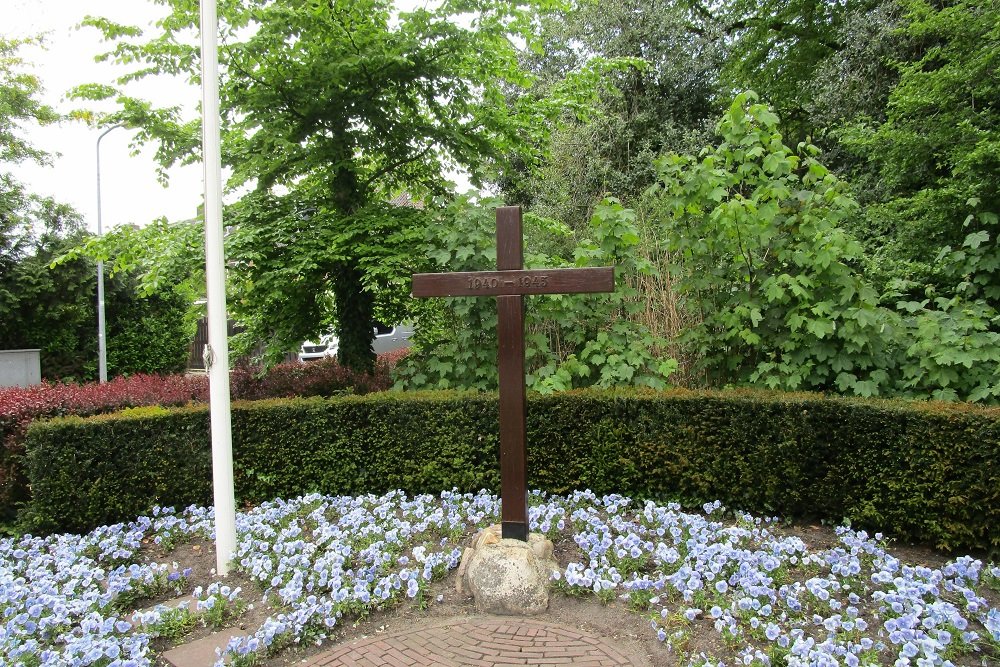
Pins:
x: 925, y: 472
x: 20, y: 406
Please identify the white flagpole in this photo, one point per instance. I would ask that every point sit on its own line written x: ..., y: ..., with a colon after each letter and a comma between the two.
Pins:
x: 217, y: 352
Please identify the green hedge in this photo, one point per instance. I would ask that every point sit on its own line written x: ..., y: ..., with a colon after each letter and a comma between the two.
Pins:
x: 925, y: 472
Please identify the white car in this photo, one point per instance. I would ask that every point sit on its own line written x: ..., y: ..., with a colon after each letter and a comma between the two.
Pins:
x: 387, y: 339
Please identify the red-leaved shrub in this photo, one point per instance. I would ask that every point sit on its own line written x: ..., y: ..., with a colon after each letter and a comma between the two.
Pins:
x: 20, y: 406
x: 390, y: 359
x: 324, y: 377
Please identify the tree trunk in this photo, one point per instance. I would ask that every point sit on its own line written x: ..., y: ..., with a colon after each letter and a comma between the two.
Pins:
x: 355, y: 319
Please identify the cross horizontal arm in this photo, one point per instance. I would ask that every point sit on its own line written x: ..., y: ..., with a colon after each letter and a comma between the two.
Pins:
x: 506, y: 283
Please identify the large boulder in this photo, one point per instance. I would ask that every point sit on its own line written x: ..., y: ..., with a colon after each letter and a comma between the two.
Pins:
x: 508, y: 576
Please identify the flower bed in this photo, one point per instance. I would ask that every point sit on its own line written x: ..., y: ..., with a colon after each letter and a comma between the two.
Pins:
x: 317, y: 560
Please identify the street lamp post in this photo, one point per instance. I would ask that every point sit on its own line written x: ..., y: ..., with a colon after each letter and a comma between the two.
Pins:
x: 102, y: 347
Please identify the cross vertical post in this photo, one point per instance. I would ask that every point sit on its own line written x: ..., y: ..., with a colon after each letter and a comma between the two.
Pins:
x: 509, y: 283
x: 513, y: 421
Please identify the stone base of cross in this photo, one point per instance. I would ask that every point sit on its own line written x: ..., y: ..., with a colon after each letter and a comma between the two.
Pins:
x: 509, y: 284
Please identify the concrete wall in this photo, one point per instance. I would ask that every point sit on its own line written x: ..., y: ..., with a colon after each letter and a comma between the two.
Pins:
x: 20, y: 368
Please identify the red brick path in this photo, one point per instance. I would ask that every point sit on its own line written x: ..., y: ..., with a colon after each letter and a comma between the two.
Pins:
x: 483, y: 642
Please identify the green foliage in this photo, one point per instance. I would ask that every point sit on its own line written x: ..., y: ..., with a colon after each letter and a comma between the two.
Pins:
x: 571, y: 340
x: 106, y: 456
x: 918, y: 471
x: 23, y: 215
x: 174, y: 623
x: 617, y: 349
x: 952, y: 350
x: 853, y: 82
x: 784, y: 48
x: 147, y: 335
x: 934, y: 228
x: 455, y: 342
x: 897, y: 95
x: 757, y: 234
x: 19, y: 104
x: 328, y: 109
x: 54, y: 310
x: 286, y: 258
x: 954, y: 334
x: 156, y: 275
x: 823, y: 67
x: 936, y: 152
x: 138, y: 395
x: 660, y: 98
x: 162, y: 256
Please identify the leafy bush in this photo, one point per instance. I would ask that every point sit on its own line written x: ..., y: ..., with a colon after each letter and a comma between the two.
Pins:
x: 756, y: 230
x: 571, y: 341
x: 919, y: 471
x: 762, y: 255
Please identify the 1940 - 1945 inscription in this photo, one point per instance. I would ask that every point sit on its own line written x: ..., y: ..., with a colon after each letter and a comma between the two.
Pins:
x: 478, y: 283
x: 519, y: 281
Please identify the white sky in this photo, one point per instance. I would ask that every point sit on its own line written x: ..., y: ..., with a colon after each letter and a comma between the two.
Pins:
x: 129, y: 189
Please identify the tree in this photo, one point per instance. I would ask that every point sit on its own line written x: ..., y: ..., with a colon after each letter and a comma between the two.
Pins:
x: 899, y: 95
x: 19, y: 209
x: 330, y: 108
x: 662, y: 101
x: 937, y: 151
x: 35, y: 311
x: 778, y: 48
x: 55, y: 309
x: 853, y: 82
x: 19, y: 104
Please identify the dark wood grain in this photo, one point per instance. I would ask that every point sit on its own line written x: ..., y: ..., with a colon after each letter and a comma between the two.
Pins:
x: 511, y: 282
x: 513, y: 418
x: 510, y: 361
x: 510, y: 238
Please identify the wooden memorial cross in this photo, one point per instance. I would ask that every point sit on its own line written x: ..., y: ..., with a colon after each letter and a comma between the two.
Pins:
x: 509, y: 283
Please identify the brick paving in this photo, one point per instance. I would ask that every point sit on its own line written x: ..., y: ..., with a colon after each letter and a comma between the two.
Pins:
x: 490, y: 641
